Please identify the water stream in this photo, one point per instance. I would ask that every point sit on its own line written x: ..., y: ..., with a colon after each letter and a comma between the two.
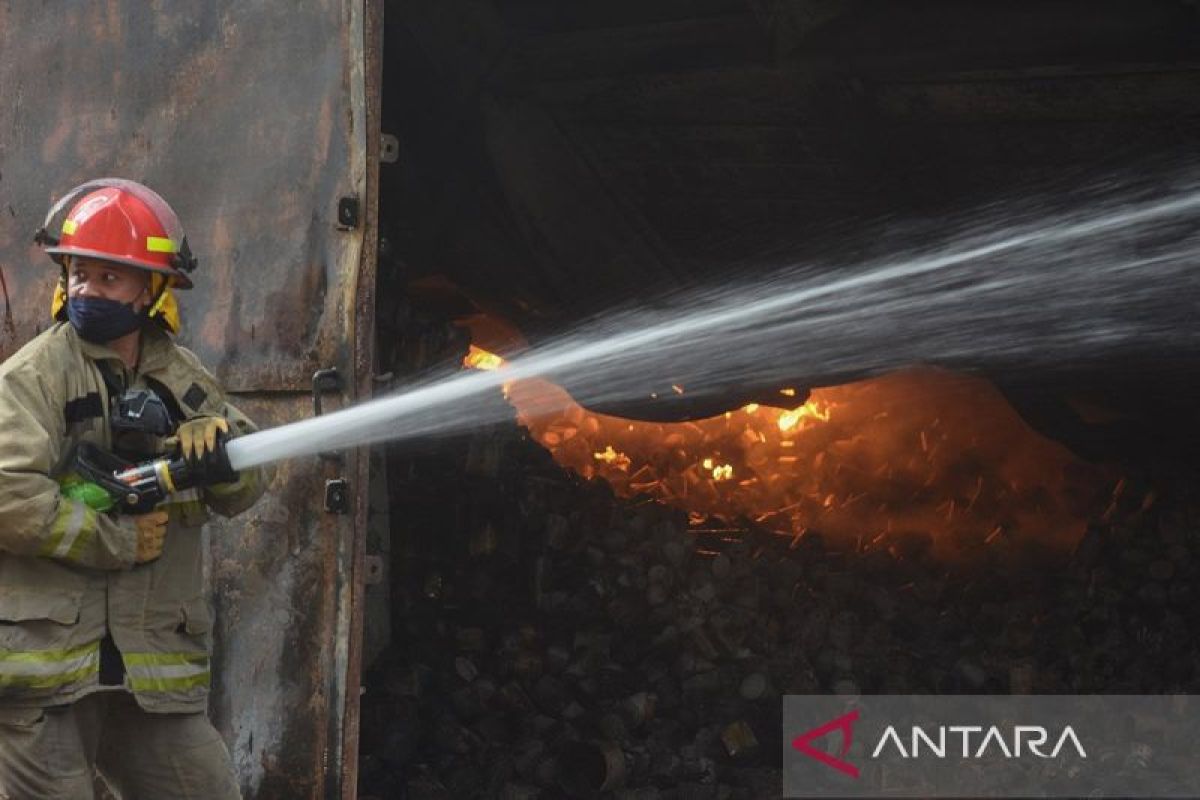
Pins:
x: 1015, y: 288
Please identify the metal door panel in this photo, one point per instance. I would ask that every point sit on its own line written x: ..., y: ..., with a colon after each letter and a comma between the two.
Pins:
x: 252, y: 120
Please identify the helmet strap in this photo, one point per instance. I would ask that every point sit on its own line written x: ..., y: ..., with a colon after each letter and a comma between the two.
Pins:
x: 160, y: 297
x: 61, y: 314
x: 156, y: 306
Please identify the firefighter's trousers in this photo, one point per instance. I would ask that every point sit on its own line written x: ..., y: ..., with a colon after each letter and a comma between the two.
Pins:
x: 52, y: 752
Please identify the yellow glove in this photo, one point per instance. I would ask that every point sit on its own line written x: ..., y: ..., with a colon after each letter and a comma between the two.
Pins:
x: 151, y: 533
x: 198, y: 437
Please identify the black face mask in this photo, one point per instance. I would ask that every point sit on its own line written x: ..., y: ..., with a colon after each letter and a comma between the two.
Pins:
x: 99, y: 320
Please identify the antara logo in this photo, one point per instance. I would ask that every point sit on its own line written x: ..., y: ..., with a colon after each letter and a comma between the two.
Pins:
x: 844, y: 724
x: 1023, y: 738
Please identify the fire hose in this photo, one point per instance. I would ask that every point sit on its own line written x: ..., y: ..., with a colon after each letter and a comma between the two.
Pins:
x: 135, y: 478
x: 106, y: 482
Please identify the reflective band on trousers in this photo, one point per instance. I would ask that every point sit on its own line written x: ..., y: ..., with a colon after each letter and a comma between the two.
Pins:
x: 48, y: 669
x: 166, y: 672
x: 73, y: 527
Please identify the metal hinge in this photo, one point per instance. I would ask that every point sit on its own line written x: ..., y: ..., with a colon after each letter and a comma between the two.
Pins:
x: 325, y: 380
x: 347, y: 213
x: 337, y: 490
x: 389, y: 148
x: 337, y: 496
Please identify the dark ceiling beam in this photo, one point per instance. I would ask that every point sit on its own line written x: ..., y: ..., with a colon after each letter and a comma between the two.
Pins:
x: 770, y: 96
x: 714, y: 144
x: 689, y: 44
x: 548, y: 16
x: 1002, y: 34
x: 1049, y: 94
x: 639, y: 154
x: 745, y: 95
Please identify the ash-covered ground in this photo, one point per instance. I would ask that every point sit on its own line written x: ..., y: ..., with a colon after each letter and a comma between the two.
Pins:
x: 551, y: 640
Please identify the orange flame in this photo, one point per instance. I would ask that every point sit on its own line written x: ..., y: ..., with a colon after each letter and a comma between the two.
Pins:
x: 925, y: 453
x: 477, y: 358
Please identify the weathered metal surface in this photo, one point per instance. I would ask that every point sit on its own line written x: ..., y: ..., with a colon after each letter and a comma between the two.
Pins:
x: 274, y: 575
x: 237, y: 114
x: 251, y: 120
x: 366, y: 97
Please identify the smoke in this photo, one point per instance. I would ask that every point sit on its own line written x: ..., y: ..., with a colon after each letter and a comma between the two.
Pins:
x: 1013, y: 288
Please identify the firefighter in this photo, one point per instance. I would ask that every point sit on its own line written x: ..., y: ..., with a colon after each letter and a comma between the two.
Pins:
x: 104, y: 619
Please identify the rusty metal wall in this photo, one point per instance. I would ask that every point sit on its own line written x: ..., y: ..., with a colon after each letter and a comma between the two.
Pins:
x: 251, y: 119
x: 238, y: 113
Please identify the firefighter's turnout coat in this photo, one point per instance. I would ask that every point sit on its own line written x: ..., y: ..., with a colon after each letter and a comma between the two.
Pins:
x: 67, y: 572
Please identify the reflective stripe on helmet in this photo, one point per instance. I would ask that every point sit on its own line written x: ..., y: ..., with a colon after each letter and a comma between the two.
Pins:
x: 158, y: 244
x: 68, y: 226
x: 48, y: 669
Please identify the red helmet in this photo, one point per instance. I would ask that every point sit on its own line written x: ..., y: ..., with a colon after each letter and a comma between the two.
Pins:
x: 124, y: 222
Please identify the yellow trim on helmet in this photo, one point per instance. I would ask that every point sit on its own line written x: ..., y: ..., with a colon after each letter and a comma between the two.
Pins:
x: 159, y: 244
x: 68, y: 227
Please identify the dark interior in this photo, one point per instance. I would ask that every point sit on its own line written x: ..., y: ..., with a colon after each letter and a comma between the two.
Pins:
x: 557, y: 158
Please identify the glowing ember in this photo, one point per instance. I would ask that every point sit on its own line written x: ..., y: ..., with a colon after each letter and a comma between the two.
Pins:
x: 482, y: 359
x: 919, y: 456
x: 613, y: 458
x: 808, y: 411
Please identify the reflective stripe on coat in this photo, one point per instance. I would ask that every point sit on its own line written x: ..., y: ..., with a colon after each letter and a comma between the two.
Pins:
x: 66, y: 571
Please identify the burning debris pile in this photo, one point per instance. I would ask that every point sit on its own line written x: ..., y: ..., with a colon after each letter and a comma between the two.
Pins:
x: 923, y: 450
x: 558, y: 640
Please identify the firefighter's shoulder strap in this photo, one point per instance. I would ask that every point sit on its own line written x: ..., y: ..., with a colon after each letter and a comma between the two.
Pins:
x: 113, y: 385
x: 116, y: 389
